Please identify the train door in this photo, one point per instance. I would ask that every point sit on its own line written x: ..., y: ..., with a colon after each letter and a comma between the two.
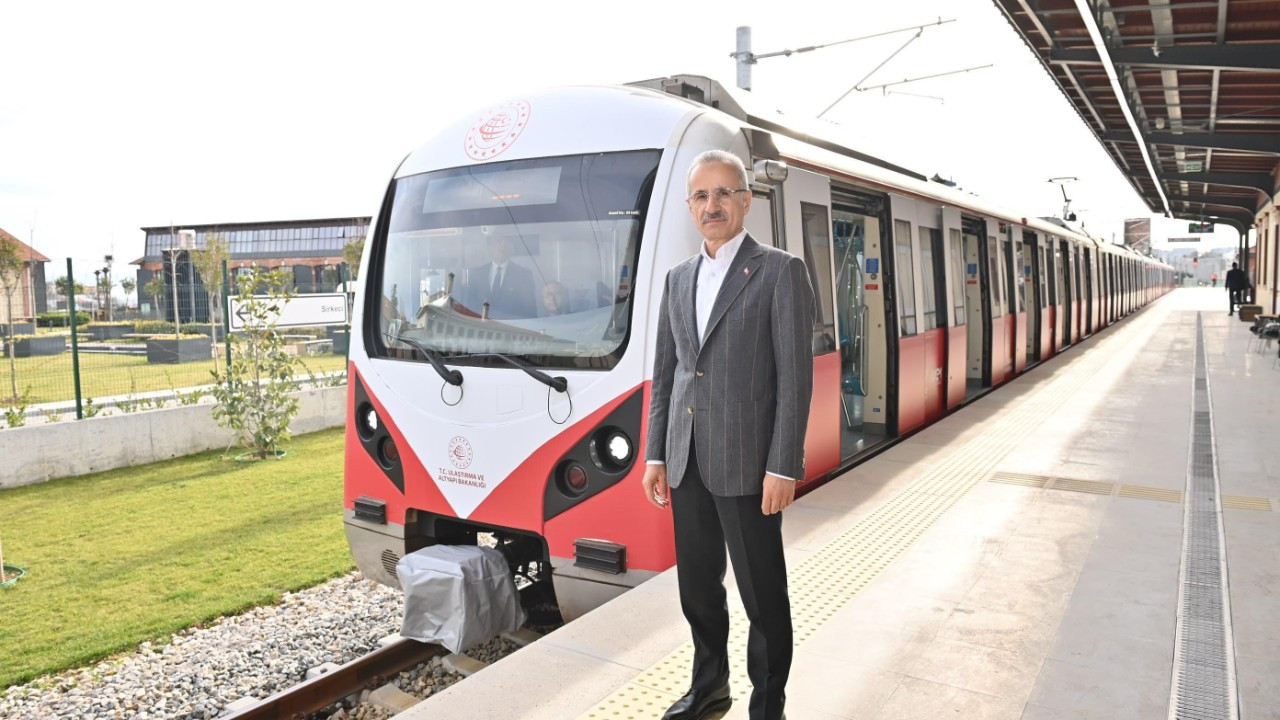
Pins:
x: 1035, y: 301
x: 860, y: 321
x: 977, y: 309
x: 1001, y: 322
x: 958, y: 316
x: 933, y: 316
x: 1077, y: 306
x: 1090, y: 321
x: 1049, y: 257
x: 1017, y: 299
x: 911, y: 343
x: 806, y: 201
x: 1045, y: 281
x: 1065, y: 337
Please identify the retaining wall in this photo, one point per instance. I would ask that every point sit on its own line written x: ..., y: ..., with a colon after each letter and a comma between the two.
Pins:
x: 36, y: 453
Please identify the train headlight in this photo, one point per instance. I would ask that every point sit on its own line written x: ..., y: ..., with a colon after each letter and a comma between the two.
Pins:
x: 366, y: 421
x: 388, y: 453
x: 618, y: 448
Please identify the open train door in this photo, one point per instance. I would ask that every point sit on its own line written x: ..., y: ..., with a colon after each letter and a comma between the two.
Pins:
x: 977, y: 302
x: 957, y: 316
x: 806, y: 200
x: 859, y: 223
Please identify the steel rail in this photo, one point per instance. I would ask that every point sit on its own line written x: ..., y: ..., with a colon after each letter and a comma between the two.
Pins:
x: 366, y: 672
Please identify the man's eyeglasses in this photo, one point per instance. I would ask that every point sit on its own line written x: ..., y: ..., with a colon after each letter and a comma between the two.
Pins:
x: 721, y: 195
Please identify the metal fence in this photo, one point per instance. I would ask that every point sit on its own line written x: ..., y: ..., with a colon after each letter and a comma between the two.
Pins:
x: 106, y: 359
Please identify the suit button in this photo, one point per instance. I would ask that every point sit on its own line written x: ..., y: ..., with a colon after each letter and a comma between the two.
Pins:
x: 690, y: 411
x: 700, y: 373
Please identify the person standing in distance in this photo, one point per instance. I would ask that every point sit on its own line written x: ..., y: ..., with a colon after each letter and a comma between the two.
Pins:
x: 728, y: 411
x: 1237, y: 282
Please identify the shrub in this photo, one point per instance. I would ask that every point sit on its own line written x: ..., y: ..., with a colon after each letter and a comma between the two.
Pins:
x: 60, y: 319
x: 253, y: 393
x: 16, y: 414
x: 114, y: 323
x: 154, y: 327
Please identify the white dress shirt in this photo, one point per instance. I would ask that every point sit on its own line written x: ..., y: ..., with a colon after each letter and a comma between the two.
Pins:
x: 711, y: 272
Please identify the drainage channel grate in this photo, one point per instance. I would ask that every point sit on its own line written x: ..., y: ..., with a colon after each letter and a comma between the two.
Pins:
x: 1204, y: 672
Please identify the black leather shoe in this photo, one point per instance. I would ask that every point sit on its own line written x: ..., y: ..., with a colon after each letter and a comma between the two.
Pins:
x: 697, y: 704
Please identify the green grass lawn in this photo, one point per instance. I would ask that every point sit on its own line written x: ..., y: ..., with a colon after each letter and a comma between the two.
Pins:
x: 124, y: 556
x: 50, y: 378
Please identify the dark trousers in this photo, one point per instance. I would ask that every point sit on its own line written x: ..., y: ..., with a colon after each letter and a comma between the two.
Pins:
x: 705, y: 524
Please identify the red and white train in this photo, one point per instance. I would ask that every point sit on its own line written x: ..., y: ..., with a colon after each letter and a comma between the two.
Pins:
x: 513, y: 401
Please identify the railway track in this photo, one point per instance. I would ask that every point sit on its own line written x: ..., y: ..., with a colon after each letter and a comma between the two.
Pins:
x: 364, y: 673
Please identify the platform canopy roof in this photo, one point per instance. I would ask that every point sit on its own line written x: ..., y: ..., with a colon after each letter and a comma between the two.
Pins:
x: 1183, y: 94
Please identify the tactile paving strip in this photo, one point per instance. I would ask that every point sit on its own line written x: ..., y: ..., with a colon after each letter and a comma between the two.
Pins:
x: 1204, y: 685
x: 821, y: 585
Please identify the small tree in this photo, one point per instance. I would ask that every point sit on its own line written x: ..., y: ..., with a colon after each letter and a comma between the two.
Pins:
x: 351, y: 253
x: 155, y: 287
x: 208, y: 261
x: 11, y: 265
x: 68, y: 289
x: 253, y: 394
x: 127, y: 285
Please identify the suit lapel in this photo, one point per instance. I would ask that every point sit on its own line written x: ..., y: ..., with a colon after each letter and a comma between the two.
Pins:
x: 687, y: 288
x: 741, y: 270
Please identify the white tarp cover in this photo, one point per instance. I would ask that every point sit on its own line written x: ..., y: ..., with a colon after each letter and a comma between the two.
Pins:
x: 457, y: 595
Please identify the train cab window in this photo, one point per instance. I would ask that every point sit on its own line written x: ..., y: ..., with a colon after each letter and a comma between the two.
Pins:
x: 817, y: 255
x: 760, y: 221
x: 906, y: 276
x: 996, y: 261
x: 928, y: 280
x: 534, y: 259
x: 957, y: 277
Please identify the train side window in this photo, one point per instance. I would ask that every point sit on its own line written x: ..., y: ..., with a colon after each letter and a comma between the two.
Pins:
x: 928, y: 280
x: 957, y: 278
x: 760, y: 221
x: 817, y: 255
x: 996, y: 278
x: 906, y: 276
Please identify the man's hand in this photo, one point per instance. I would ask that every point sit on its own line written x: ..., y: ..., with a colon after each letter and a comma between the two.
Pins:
x: 655, y: 485
x: 778, y: 494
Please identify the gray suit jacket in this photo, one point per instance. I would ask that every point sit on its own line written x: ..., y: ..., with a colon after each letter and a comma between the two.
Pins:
x: 743, y: 395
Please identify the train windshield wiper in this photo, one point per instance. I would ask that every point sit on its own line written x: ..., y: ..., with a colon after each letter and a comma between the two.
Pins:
x: 453, y: 377
x: 558, y: 383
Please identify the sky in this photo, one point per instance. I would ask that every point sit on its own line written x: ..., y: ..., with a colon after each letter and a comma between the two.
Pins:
x: 116, y: 116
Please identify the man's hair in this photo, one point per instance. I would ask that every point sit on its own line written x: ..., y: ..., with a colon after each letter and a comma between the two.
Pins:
x: 1235, y: 266
x: 722, y: 157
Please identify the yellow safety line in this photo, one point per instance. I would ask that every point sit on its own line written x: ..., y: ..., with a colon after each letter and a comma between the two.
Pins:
x: 822, y: 584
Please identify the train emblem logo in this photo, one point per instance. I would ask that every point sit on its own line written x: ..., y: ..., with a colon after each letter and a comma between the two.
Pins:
x: 496, y: 130
x: 460, y: 452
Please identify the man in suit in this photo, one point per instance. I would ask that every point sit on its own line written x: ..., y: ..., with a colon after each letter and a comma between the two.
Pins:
x: 732, y: 380
x: 506, y: 286
x: 1237, y: 282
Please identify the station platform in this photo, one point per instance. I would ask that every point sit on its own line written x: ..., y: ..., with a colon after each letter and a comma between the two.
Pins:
x: 1049, y: 551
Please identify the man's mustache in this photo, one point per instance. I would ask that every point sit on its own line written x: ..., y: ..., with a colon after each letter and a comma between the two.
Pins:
x: 717, y: 215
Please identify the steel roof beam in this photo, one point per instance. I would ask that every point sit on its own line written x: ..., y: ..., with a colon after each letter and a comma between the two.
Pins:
x: 1244, y: 58
x: 1217, y: 201
x: 1253, y: 181
x: 1241, y: 142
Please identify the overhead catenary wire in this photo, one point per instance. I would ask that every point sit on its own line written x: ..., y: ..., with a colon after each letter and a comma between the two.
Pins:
x: 753, y: 57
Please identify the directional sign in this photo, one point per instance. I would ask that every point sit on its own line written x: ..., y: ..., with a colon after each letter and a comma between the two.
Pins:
x: 1185, y: 239
x: 299, y: 311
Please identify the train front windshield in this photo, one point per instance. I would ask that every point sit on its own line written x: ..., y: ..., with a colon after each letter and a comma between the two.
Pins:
x: 530, y: 258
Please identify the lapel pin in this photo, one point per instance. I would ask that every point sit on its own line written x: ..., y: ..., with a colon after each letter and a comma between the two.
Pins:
x: 746, y: 271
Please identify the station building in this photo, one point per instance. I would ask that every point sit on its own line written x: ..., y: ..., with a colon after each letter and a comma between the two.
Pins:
x: 30, y: 298
x: 311, y: 250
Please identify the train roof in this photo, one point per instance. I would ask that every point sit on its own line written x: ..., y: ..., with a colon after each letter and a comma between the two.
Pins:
x: 807, y: 140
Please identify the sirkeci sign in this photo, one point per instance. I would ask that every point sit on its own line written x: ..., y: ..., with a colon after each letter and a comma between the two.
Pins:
x: 299, y: 311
